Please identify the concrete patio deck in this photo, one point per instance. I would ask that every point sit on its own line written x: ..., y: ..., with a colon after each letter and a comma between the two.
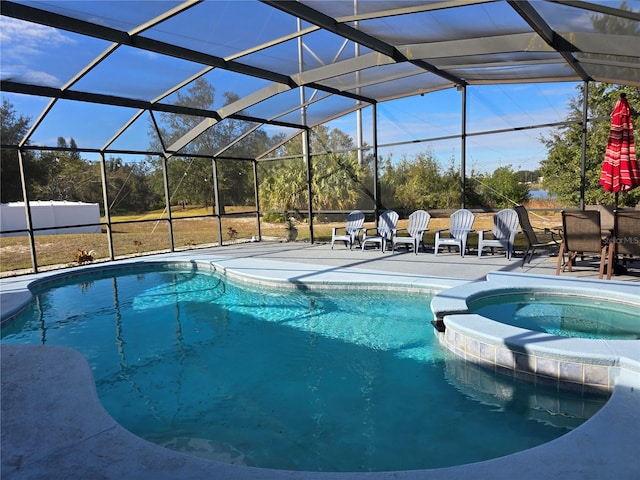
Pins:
x: 444, y: 265
x: 53, y: 425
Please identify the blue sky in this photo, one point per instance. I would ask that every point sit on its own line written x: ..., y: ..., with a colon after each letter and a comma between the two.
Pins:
x: 489, y: 108
x: 51, y: 57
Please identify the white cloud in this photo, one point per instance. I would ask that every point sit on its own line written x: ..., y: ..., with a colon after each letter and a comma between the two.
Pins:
x: 22, y: 40
x: 23, y: 46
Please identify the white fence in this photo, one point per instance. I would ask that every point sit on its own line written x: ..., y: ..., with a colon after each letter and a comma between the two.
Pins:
x: 50, y: 215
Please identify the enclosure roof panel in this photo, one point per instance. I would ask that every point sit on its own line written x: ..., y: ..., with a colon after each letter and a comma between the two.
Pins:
x: 297, y: 64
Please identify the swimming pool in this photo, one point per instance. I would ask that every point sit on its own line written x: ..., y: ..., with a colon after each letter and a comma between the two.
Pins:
x: 217, y: 369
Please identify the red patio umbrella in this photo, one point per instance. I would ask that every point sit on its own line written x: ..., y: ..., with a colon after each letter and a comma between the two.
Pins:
x: 620, y: 171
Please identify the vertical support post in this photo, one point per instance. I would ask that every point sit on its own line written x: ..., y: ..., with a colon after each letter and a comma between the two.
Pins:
x: 165, y: 179
x: 376, y: 180
x: 216, y: 194
x: 167, y: 199
x: 583, y: 156
x: 105, y: 201
x: 305, y: 135
x: 257, y: 197
x: 463, y: 147
x: 359, y: 134
x: 27, y: 213
x: 307, y: 157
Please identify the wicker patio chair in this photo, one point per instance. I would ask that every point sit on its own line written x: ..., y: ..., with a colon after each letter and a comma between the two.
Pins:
x: 581, y: 233
x: 530, y: 234
x: 626, y: 236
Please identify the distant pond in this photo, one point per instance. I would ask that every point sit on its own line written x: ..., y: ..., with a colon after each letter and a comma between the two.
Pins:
x: 540, y: 194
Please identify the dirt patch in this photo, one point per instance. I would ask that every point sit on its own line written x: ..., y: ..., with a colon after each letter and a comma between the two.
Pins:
x: 14, y: 249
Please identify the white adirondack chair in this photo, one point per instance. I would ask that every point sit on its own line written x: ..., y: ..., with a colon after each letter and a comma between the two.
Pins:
x: 350, y: 233
x: 505, y: 228
x: 460, y: 225
x: 412, y: 235
x: 383, y: 232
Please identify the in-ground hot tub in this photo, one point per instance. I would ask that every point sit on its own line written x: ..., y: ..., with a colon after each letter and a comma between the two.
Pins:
x: 548, y: 354
x: 557, y: 313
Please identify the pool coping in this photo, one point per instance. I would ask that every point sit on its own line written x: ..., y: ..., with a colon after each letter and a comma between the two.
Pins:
x: 52, y: 419
x: 15, y: 292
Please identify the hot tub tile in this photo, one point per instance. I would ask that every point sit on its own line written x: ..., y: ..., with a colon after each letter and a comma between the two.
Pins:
x: 488, y: 353
x: 473, y: 347
x: 505, y: 357
x: 572, y: 372
x: 596, y: 375
x: 524, y: 363
x: 547, y: 367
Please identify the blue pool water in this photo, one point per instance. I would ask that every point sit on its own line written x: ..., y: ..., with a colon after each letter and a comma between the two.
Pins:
x: 563, y: 315
x: 317, y: 380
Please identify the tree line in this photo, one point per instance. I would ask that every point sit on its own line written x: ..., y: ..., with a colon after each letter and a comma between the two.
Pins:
x: 339, y: 180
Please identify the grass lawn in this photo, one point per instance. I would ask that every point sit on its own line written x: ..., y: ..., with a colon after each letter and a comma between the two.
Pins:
x: 140, y: 234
